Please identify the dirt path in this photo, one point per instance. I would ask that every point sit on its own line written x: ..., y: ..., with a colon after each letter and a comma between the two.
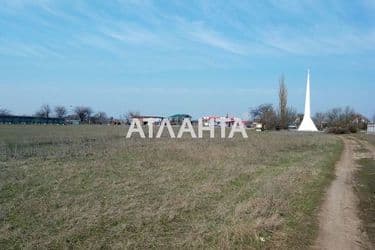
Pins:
x: 340, y: 226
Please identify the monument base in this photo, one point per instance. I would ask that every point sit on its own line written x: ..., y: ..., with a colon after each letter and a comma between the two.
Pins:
x: 307, y: 125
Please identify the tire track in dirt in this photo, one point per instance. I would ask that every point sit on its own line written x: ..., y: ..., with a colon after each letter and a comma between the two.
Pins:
x: 339, y: 223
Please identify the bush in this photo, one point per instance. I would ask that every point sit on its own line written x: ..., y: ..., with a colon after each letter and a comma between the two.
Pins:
x: 353, y: 129
x: 340, y: 130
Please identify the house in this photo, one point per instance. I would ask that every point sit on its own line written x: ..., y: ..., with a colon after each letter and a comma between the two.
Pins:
x: 360, y: 121
x: 206, y: 120
x: 371, y: 128
x: 145, y: 119
x: 177, y: 119
x: 229, y: 121
x: 73, y: 121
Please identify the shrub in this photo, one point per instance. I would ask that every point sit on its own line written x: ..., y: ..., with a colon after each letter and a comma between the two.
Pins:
x: 340, y: 130
x: 353, y: 129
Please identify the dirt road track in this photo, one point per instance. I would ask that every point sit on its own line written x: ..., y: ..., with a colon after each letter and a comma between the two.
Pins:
x: 339, y: 224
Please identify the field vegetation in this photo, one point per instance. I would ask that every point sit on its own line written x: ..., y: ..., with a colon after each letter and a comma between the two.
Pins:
x: 366, y: 184
x: 89, y: 187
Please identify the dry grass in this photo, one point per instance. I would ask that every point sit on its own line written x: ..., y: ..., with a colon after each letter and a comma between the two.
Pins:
x: 365, y: 184
x: 89, y: 187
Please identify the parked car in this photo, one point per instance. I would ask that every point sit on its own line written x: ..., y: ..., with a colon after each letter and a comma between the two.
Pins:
x: 292, y: 127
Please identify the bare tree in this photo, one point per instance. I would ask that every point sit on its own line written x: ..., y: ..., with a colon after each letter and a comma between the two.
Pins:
x: 60, y: 111
x: 319, y: 119
x: 100, y: 118
x: 349, y: 115
x: 4, y: 111
x: 299, y: 118
x: 292, y: 116
x: 343, y: 120
x: 334, y: 117
x: 44, y: 111
x: 129, y: 116
x: 83, y: 113
x: 283, y: 102
x: 266, y: 115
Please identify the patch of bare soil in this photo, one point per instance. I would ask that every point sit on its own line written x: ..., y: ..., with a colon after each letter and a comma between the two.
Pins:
x: 339, y: 223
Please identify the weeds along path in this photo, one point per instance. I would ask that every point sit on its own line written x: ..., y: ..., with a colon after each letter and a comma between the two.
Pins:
x: 339, y: 224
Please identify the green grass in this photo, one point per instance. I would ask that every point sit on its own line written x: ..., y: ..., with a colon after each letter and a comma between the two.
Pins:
x: 89, y: 187
x: 371, y: 139
x: 366, y: 192
x: 365, y: 187
x: 368, y: 137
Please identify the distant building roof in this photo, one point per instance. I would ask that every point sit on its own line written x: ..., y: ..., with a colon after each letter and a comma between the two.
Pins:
x: 180, y: 115
x: 147, y: 116
x: 13, y: 119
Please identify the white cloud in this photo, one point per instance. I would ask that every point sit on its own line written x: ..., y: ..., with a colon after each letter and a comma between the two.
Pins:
x: 24, y: 3
x: 319, y: 42
x: 215, y: 40
x: 21, y: 49
x: 241, y: 35
x: 134, y: 35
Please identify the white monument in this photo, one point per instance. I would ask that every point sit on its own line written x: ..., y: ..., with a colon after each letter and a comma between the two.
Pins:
x: 307, y: 123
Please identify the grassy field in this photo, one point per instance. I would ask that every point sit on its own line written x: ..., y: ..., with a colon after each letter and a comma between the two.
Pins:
x: 367, y: 137
x: 366, y: 193
x: 89, y: 187
x: 366, y: 187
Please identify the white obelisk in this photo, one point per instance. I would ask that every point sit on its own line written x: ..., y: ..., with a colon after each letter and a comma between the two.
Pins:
x: 307, y: 123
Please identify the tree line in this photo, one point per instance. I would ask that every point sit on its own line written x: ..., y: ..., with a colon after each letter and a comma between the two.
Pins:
x: 82, y: 113
x: 336, y: 120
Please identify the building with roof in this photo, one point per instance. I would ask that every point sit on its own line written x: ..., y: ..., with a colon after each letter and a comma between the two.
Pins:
x: 177, y: 119
x: 145, y: 119
x: 13, y: 119
x: 229, y: 121
x: 371, y: 128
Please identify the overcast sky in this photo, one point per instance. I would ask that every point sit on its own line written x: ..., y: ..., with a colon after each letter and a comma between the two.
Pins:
x: 197, y: 57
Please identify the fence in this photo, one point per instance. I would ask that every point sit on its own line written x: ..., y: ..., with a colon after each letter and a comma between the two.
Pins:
x: 371, y: 128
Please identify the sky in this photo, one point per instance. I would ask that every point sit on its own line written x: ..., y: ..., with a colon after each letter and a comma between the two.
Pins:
x: 198, y: 57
